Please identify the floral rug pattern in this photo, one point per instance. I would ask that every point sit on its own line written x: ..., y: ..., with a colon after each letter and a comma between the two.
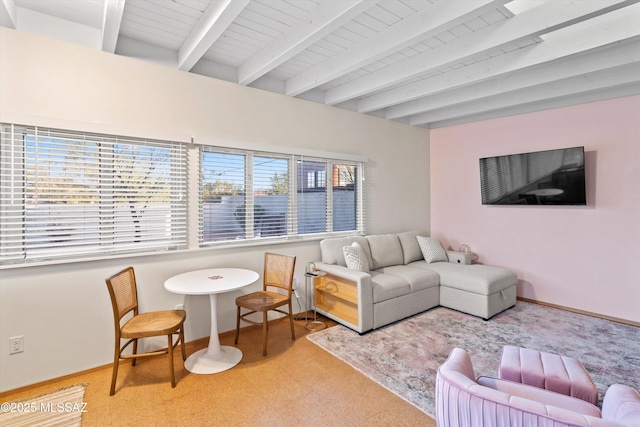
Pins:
x: 404, y: 357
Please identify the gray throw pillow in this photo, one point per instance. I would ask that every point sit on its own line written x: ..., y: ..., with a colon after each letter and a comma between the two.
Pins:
x: 355, y: 258
x: 431, y: 249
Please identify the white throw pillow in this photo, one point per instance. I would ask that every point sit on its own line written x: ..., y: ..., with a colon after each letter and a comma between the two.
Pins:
x: 355, y: 257
x: 431, y: 249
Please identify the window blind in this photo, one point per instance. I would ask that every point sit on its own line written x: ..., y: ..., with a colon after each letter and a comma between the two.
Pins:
x: 346, y: 198
x: 313, y: 208
x: 254, y: 195
x: 68, y: 194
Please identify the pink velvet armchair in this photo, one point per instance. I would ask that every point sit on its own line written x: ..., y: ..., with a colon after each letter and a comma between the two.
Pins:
x: 464, y: 401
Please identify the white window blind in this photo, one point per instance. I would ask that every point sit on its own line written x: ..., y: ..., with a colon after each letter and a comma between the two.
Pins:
x: 312, y: 200
x: 346, y: 198
x: 68, y: 195
x: 251, y: 195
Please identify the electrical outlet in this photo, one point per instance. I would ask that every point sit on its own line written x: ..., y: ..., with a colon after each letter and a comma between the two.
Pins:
x: 16, y: 344
x: 296, y: 282
x: 179, y: 306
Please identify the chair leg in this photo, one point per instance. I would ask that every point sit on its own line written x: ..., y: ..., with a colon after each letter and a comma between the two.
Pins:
x: 293, y: 334
x: 135, y: 351
x: 170, y: 348
x: 237, y: 325
x: 184, y: 351
x: 265, y: 327
x: 114, y: 375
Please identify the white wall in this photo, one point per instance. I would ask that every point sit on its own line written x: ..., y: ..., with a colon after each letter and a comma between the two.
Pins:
x: 64, y: 310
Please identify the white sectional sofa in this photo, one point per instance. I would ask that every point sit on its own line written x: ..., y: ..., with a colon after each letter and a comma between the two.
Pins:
x: 400, y: 283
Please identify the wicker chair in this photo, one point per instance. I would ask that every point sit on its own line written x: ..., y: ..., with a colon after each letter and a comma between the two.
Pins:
x: 278, y: 273
x: 124, y: 299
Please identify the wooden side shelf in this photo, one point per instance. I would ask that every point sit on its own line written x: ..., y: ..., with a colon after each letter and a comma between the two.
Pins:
x: 337, y: 296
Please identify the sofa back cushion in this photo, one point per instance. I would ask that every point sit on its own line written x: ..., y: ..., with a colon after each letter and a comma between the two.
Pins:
x: 410, y: 249
x: 332, y: 253
x: 385, y: 250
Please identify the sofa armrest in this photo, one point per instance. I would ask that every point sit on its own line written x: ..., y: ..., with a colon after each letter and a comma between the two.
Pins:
x: 344, y: 272
x: 621, y: 404
x: 459, y: 257
x: 363, y: 300
x: 545, y: 397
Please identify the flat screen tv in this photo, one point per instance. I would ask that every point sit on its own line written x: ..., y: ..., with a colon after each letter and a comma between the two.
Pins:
x: 551, y: 177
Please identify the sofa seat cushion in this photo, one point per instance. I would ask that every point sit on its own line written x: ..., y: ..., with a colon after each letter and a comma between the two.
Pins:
x: 386, y: 286
x: 418, y: 278
x: 475, y: 278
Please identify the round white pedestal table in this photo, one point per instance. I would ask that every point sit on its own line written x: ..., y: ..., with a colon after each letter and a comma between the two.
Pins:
x: 213, y: 281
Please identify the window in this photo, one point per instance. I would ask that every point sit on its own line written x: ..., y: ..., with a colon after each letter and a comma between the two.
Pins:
x: 312, y: 199
x: 70, y: 195
x: 248, y: 195
x: 345, y: 197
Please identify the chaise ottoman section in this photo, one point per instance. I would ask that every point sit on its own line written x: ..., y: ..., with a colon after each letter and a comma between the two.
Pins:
x: 552, y: 372
x: 479, y: 290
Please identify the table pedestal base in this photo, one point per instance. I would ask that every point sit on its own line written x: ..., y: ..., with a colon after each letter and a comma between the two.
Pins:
x: 201, y: 362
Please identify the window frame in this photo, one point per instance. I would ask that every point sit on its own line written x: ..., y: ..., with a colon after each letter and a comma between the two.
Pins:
x: 190, y: 179
x: 103, y: 220
x: 293, y: 220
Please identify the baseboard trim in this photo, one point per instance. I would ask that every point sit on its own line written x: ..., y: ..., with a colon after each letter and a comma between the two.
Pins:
x: 191, y: 347
x: 586, y: 313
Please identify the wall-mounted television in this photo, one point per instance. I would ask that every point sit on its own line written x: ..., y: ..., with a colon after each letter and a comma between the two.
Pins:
x: 551, y: 177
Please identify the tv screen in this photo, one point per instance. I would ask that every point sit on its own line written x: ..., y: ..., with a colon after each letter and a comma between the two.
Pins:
x: 552, y: 177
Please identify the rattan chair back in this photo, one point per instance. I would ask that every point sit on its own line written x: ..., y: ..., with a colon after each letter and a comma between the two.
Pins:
x: 278, y: 271
x: 123, y: 292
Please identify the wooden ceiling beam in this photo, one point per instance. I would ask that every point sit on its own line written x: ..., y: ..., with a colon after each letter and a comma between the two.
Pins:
x: 548, y: 17
x: 214, y: 21
x: 616, y: 56
x: 546, y: 104
x: 111, y: 20
x: 8, y: 15
x: 432, y: 19
x: 328, y: 17
x: 614, y: 27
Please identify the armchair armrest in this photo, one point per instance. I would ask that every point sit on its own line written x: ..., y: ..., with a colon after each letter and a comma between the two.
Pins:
x: 545, y: 397
x: 621, y: 404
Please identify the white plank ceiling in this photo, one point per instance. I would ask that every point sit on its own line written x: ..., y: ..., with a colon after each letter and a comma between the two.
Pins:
x: 428, y: 63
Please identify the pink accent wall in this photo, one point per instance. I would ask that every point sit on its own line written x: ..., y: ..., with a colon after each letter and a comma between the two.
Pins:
x: 583, y: 257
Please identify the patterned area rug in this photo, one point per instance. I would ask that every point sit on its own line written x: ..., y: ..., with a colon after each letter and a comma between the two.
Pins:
x: 404, y: 356
x: 63, y: 407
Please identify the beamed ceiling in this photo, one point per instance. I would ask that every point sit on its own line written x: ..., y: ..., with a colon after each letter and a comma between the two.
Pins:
x: 428, y: 63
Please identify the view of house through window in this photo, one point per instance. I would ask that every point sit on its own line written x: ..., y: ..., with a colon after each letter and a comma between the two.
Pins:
x: 70, y: 195
x: 249, y: 195
x: 345, y: 197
